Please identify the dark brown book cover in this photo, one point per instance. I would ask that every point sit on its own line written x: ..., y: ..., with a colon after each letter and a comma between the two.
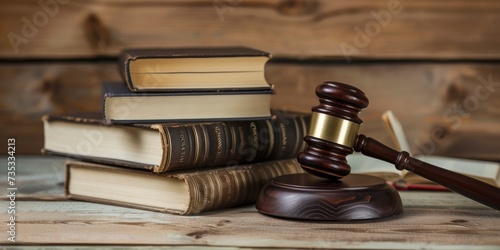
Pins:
x: 207, y: 144
x: 210, y: 189
x: 118, y: 89
x: 189, y: 52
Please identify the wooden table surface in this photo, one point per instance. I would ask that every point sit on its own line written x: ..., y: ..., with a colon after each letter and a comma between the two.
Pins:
x: 45, y: 219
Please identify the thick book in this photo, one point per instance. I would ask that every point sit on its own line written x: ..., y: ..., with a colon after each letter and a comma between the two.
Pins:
x: 188, y: 69
x: 485, y: 171
x: 185, y: 193
x: 175, y: 146
x: 120, y: 105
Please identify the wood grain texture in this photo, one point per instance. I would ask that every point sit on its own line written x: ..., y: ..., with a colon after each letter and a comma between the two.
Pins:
x: 32, y: 90
x: 104, y: 247
x: 435, y: 102
x: 87, y: 223
x: 355, y: 197
x: 38, y: 178
x: 437, y: 220
x: 439, y: 105
x: 287, y: 28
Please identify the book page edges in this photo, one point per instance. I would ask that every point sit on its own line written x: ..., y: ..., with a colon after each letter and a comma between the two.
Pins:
x: 76, y: 123
x: 124, y: 66
x: 128, y: 55
x: 166, y: 149
x: 366, y: 165
x: 209, y: 190
x: 396, y: 131
x: 69, y: 195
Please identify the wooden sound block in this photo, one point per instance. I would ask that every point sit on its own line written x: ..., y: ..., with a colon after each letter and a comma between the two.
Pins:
x: 304, y: 196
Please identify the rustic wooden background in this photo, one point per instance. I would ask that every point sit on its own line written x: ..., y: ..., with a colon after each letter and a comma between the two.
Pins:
x: 434, y: 63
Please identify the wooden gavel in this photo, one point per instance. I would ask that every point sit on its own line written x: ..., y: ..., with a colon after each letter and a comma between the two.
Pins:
x: 334, y: 134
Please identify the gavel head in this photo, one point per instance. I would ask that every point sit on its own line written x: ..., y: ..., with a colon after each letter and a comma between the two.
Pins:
x: 333, y: 130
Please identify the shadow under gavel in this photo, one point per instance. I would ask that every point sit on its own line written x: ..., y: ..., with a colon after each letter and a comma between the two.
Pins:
x: 338, y: 195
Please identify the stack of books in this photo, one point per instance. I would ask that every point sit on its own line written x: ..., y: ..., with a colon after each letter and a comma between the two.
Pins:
x: 187, y: 131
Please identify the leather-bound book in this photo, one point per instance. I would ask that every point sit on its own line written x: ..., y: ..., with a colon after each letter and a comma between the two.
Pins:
x: 194, y: 69
x: 186, y: 193
x: 175, y: 146
x: 120, y: 105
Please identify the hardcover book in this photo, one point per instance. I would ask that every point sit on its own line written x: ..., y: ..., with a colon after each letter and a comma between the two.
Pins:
x: 183, y: 193
x: 123, y: 106
x: 488, y: 172
x: 194, y: 69
x: 175, y: 146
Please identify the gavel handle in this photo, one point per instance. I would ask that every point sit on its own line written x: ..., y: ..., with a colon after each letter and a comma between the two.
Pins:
x: 469, y: 187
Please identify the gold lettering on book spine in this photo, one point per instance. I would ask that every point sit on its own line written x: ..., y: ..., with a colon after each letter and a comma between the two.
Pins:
x: 182, y: 138
x: 219, y: 152
x: 255, y: 135
x: 284, y: 139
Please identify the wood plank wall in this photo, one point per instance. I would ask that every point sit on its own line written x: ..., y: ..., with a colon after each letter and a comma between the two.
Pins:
x: 434, y: 63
